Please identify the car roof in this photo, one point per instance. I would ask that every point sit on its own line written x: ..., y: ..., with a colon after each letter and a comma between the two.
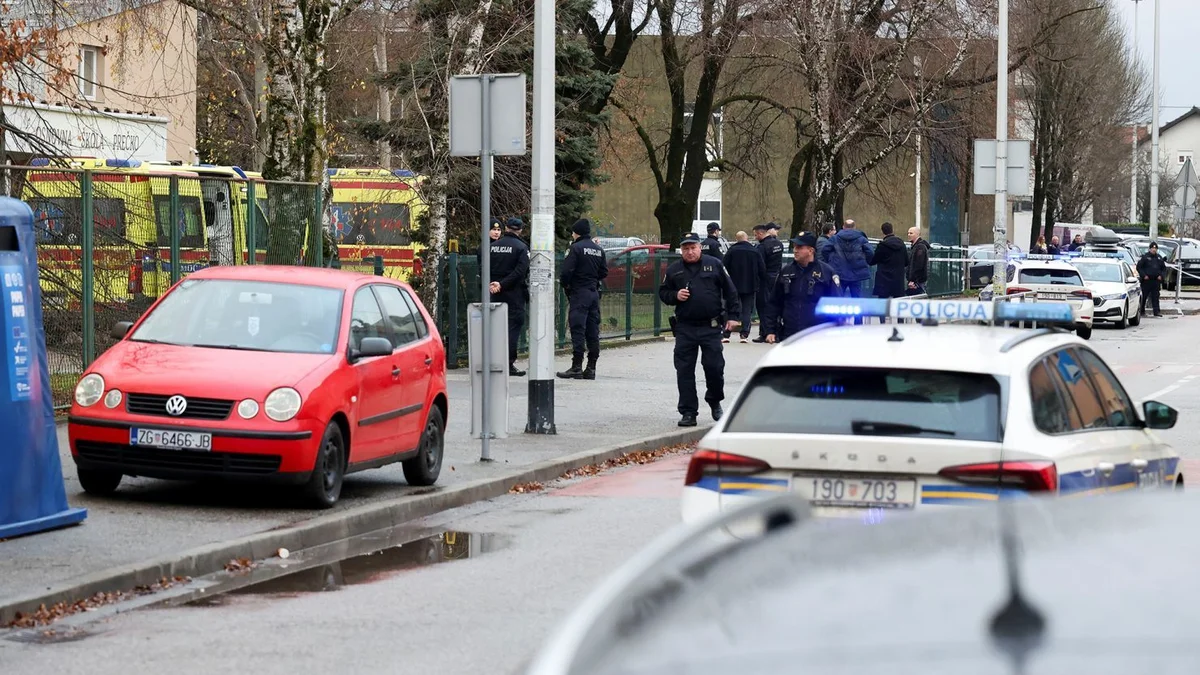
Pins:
x: 289, y: 274
x: 950, y: 347
x: 1049, y: 264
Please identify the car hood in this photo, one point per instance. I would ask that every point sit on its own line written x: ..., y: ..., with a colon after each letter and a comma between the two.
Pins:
x: 1105, y: 287
x: 198, y: 371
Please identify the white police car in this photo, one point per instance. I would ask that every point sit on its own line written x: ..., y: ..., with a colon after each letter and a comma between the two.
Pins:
x: 860, y: 419
x: 1116, y: 293
x: 1052, y: 279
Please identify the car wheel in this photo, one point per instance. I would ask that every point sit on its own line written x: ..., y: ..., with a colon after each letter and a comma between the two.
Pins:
x: 1084, y: 332
x: 329, y: 470
x: 101, y: 482
x: 427, y: 465
x: 1124, y: 317
x: 1136, y: 319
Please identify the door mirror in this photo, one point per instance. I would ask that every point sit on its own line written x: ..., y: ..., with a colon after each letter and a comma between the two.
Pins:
x: 120, y: 329
x: 1159, y: 415
x: 1131, y: 280
x: 373, y: 346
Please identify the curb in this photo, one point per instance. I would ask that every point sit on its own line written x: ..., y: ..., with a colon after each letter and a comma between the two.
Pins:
x: 389, y: 513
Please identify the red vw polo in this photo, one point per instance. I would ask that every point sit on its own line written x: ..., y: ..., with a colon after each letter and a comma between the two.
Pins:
x: 290, y: 374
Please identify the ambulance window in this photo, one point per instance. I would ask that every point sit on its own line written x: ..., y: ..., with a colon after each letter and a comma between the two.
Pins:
x: 384, y: 224
x: 191, y: 234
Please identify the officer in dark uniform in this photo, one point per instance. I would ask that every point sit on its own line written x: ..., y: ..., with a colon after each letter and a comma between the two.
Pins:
x: 801, y: 283
x: 583, y: 270
x: 1151, y: 268
x: 704, y: 298
x: 510, y: 283
x: 771, y: 249
x: 712, y: 245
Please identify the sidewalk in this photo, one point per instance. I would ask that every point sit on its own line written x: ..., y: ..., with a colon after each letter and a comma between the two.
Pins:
x: 633, y: 398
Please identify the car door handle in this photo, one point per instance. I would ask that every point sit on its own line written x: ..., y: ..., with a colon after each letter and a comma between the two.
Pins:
x: 395, y: 371
x: 1139, y: 465
x: 1106, y: 468
x: 428, y: 360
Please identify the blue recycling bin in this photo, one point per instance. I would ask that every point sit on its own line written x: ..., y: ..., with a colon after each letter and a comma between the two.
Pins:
x: 32, y: 495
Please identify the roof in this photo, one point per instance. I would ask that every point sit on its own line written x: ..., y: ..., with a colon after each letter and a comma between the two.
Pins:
x: 1169, y: 125
x: 951, y: 347
x: 1052, y: 264
x: 289, y: 274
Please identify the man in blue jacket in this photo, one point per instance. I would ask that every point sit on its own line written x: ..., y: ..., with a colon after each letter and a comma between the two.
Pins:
x: 849, y: 255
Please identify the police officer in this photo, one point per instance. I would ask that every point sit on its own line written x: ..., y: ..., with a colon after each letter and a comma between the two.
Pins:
x: 583, y: 270
x: 1151, y: 268
x: 800, y: 285
x: 510, y: 283
x: 771, y: 250
x: 704, y: 297
x: 712, y: 245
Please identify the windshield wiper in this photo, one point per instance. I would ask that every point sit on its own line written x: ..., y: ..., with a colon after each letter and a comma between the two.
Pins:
x: 234, y: 347
x: 873, y: 428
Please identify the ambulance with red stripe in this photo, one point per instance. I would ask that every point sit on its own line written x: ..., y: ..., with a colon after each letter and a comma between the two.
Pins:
x: 374, y: 212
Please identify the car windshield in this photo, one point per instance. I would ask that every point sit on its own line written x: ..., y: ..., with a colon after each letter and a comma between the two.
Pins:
x: 248, y: 315
x: 1050, y: 276
x: 1166, y: 247
x: 1099, y: 271
x: 870, y: 401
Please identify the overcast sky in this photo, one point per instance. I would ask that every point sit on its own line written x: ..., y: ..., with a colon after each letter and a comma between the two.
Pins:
x: 1178, y: 22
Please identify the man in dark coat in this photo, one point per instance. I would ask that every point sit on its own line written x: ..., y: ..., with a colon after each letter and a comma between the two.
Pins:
x: 749, y: 273
x: 712, y: 245
x: 890, y: 260
x: 918, y: 262
x: 1151, y: 268
x: 510, y: 283
x: 825, y: 242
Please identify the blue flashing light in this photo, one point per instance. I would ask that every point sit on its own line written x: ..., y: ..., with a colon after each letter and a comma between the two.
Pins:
x: 1039, y: 312
x: 240, y: 173
x: 851, y: 307
x: 331, y: 172
x: 208, y: 166
x: 403, y: 173
x: 123, y: 163
x: 40, y: 161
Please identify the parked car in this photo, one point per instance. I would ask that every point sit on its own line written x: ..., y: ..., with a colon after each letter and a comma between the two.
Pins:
x: 617, y: 244
x: 288, y: 374
x: 1169, y: 249
x: 641, y: 260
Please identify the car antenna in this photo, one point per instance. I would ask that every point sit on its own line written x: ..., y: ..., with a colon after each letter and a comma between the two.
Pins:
x: 1017, y: 628
x: 896, y: 336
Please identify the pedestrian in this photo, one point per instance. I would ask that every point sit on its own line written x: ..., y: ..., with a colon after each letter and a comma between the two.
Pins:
x: 493, y: 234
x: 510, y: 283
x: 801, y: 284
x: 825, y: 242
x: 583, y: 270
x: 1055, y: 248
x: 849, y: 256
x: 1040, y: 248
x: 705, y: 298
x: 1151, y: 267
x: 891, y: 262
x: 749, y: 273
x: 712, y: 245
x: 1076, y: 243
x: 771, y: 250
x: 918, y: 262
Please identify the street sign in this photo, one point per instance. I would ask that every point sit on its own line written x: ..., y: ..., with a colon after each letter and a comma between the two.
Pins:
x: 506, y: 93
x: 1020, y: 182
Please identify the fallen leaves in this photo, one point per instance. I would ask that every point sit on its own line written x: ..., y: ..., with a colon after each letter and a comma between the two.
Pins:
x: 628, y: 459
x: 44, y: 615
x: 240, y: 565
x: 524, y: 488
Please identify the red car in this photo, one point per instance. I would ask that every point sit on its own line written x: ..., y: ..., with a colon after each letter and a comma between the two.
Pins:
x: 641, y: 260
x: 291, y: 374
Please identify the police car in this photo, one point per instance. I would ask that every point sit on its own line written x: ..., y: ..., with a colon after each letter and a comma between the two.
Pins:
x: 893, y: 417
x: 1049, y: 278
x: 1116, y: 293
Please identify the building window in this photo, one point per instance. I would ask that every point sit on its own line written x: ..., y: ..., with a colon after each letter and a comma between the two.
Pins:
x: 708, y: 211
x: 89, y: 69
x: 1181, y: 158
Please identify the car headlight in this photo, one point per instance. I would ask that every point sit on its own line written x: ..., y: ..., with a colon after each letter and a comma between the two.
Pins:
x: 112, y: 399
x: 247, y: 409
x: 1114, y: 296
x: 282, y: 404
x: 89, y: 390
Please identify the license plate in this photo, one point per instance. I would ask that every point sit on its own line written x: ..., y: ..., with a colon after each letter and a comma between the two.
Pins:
x: 171, y: 440
x: 1051, y: 296
x: 880, y: 493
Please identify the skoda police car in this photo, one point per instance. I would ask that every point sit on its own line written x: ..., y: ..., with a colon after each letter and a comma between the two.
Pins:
x: 1048, y: 278
x: 880, y: 417
x: 1116, y: 293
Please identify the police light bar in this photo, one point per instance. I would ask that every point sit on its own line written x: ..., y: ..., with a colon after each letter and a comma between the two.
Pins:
x: 123, y: 163
x: 1100, y: 254
x: 946, y: 310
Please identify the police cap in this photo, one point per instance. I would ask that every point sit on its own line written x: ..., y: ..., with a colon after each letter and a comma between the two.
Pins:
x: 805, y: 239
x: 689, y: 238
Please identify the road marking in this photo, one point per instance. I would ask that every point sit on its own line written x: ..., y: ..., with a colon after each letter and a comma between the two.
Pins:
x: 1162, y: 392
x: 1174, y: 369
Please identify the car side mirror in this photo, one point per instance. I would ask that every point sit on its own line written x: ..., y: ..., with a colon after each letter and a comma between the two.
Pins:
x: 120, y: 329
x: 1159, y: 415
x: 1131, y: 280
x: 373, y: 346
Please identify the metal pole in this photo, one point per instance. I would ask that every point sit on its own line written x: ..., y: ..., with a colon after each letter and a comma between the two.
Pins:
x: 1134, y: 170
x: 485, y: 271
x: 173, y: 233
x: 87, y: 266
x: 1000, y: 227
x: 251, y: 220
x: 542, y: 290
x: 1155, y: 167
x: 917, y: 173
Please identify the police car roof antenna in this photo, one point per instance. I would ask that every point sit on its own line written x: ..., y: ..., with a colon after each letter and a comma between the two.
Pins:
x: 896, y: 336
x: 1017, y: 628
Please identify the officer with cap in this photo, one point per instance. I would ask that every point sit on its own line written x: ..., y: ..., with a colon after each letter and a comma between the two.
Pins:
x: 712, y: 245
x: 704, y: 297
x: 771, y: 250
x: 801, y: 283
x: 510, y: 283
x: 583, y: 270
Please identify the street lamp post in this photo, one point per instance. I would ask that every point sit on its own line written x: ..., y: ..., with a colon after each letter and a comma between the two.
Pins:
x: 541, y: 261
x: 1000, y: 226
x: 1134, y: 169
x: 1155, y: 165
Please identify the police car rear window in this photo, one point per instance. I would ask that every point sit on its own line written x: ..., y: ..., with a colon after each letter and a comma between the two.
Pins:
x: 1049, y: 276
x: 893, y: 402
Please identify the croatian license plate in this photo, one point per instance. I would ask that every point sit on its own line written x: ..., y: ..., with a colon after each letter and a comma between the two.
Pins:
x: 1051, y: 296
x: 171, y: 440
x: 879, y: 493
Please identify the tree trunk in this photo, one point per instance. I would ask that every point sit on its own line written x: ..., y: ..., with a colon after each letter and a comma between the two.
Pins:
x: 384, y: 111
x: 799, y: 184
x: 674, y: 215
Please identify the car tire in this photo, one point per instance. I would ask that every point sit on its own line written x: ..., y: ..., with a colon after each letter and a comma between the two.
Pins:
x: 1136, y: 319
x: 324, y: 486
x: 1124, y: 317
x: 99, y: 482
x: 427, y: 465
x: 1084, y: 332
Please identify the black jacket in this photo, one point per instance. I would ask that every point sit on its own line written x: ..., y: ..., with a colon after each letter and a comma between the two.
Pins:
x: 510, y: 266
x: 584, y: 267
x: 745, y: 267
x: 918, y: 262
x: 890, y: 260
x: 713, y: 293
x: 1151, y: 265
x: 712, y: 246
x: 771, y: 250
x: 792, y: 304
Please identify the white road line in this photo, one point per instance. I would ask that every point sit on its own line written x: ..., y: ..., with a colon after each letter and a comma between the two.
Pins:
x: 1174, y: 369
x: 1162, y: 392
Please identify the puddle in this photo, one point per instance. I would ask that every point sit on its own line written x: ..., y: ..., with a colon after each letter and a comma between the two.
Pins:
x: 365, y: 568
x: 46, y: 636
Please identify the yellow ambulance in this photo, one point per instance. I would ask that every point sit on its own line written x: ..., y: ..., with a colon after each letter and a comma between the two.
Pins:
x: 374, y: 212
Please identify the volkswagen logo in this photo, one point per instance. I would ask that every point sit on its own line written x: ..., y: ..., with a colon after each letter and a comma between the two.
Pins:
x: 176, y: 405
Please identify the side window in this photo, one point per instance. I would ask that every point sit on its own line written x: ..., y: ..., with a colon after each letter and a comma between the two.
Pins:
x: 1079, y: 390
x: 1117, y: 404
x: 365, y: 318
x: 422, y: 328
x: 1049, y: 409
x: 398, y: 313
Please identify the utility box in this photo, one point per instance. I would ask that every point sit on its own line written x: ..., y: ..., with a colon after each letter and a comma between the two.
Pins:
x: 497, y: 351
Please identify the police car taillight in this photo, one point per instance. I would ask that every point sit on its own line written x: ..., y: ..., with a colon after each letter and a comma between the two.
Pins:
x: 1013, y: 290
x: 1028, y: 476
x: 715, y: 463
x: 1082, y: 294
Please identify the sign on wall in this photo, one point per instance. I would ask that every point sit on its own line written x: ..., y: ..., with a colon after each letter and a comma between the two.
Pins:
x: 86, y: 133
